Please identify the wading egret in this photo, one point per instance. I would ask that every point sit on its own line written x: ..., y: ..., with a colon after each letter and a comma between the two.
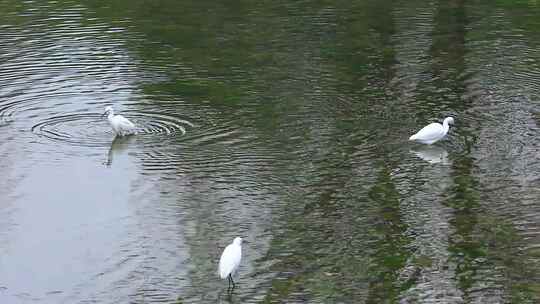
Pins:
x: 120, y: 125
x: 230, y: 260
x: 432, y: 132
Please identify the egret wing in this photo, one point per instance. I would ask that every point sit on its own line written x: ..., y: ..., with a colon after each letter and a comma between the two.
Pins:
x: 430, y: 132
x: 125, y: 126
x: 230, y: 260
x: 124, y: 122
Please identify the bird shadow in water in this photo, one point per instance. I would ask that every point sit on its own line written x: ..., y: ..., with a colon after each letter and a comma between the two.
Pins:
x: 228, y: 297
x: 432, y: 154
x: 118, y: 146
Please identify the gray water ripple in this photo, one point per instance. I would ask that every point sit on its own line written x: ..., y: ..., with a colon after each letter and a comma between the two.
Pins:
x: 92, y: 130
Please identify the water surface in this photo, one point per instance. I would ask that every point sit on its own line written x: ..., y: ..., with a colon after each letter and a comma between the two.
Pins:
x: 282, y: 122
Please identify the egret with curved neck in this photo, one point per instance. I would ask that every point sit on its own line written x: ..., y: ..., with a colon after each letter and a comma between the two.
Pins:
x: 433, y: 132
x: 120, y: 125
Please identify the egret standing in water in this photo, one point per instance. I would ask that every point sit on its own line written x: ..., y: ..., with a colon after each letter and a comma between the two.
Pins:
x: 230, y: 260
x: 120, y: 125
x: 433, y: 132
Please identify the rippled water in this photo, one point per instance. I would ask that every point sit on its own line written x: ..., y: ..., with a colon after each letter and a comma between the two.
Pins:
x: 285, y: 123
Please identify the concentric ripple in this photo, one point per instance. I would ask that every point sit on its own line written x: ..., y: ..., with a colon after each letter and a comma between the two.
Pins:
x: 91, y: 130
x: 159, y: 124
x: 83, y: 129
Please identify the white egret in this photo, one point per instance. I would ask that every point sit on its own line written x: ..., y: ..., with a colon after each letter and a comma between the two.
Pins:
x: 120, y: 125
x: 432, y: 132
x: 230, y: 260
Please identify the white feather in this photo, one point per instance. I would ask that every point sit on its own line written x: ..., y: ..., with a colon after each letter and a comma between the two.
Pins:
x: 432, y: 132
x: 120, y: 125
x: 230, y: 258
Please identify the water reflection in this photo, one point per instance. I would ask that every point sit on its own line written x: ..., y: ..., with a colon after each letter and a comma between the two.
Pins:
x: 432, y: 154
x: 118, y: 146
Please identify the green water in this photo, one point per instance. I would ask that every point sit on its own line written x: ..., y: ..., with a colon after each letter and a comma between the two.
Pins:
x: 284, y: 122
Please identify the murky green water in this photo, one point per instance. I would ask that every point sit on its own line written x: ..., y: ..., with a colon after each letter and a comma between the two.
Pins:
x: 285, y: 122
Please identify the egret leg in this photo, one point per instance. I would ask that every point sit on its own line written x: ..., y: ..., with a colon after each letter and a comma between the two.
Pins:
x: 232, y: 281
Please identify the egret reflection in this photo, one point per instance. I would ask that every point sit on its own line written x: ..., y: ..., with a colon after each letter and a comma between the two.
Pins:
x: 432, y: 154
x: 118, y: 146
